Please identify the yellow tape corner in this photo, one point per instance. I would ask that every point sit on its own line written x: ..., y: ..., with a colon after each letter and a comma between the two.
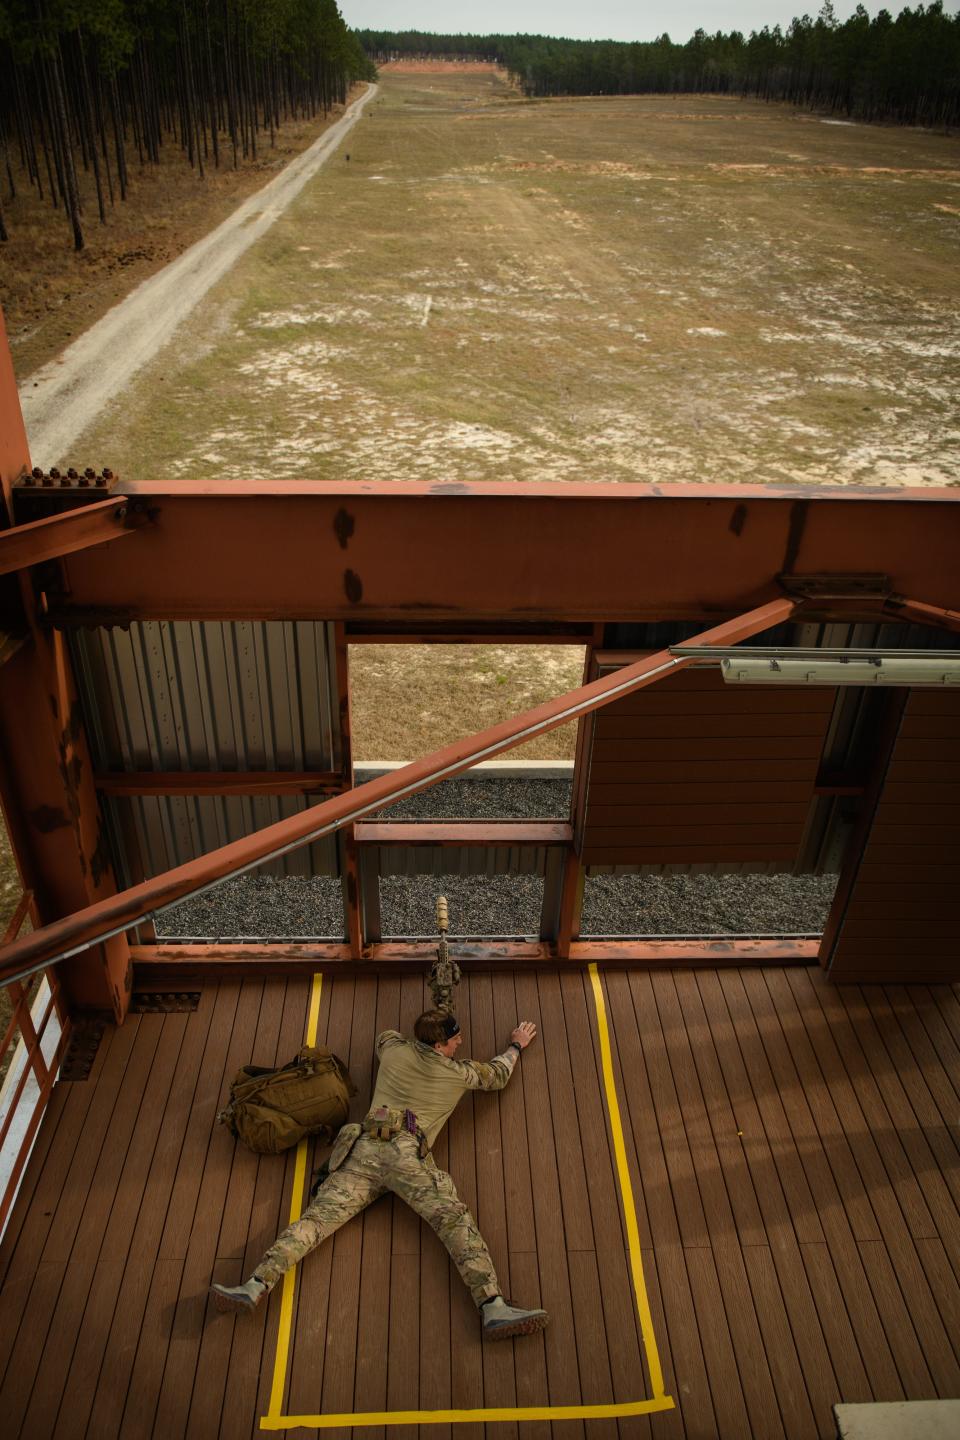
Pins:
x: 276, y: 1420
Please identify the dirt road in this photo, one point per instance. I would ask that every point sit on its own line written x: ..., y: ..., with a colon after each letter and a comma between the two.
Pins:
x: 65, y: 397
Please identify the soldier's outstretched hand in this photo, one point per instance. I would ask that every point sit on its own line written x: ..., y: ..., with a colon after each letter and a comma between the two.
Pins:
x: 524, y: 1033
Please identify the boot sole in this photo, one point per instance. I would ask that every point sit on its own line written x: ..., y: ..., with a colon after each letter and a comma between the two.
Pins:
x: 518, y: 1327
x: 226, y: 1303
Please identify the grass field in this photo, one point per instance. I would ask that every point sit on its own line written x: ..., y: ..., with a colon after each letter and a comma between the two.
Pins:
x: 648, y: 289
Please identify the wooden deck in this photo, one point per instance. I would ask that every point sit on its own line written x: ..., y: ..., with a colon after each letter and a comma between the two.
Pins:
x: 793, y: 1154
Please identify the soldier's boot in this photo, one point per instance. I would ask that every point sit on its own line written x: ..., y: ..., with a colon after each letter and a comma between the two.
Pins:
x: 245, y: 1297
x: 501, y: 1320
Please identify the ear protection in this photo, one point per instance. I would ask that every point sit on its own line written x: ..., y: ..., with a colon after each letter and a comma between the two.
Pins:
x: 451, y: 1027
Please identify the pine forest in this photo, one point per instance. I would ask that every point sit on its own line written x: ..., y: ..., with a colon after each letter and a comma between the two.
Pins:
x: 905, y: 70
x: 104, y: 84
x: 99, y: 85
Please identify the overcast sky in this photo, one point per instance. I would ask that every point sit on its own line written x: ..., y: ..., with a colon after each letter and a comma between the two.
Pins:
x: 596, y: 20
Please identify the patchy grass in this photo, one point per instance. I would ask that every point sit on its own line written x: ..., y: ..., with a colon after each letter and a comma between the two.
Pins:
x: 407, y: 700
x: 686, y: 289
x: 50, y: 294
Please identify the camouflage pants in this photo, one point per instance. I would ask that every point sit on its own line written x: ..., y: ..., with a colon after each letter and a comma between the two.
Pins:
x: 371, y: 1169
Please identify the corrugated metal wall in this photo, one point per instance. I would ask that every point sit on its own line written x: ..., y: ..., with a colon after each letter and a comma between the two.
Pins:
x: 208, y: 695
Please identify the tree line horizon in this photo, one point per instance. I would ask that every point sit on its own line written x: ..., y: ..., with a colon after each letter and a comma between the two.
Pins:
x: 904, y: 69
x: 98, y: 86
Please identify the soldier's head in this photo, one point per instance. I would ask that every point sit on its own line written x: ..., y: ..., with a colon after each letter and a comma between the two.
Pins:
x: 439, y: 1030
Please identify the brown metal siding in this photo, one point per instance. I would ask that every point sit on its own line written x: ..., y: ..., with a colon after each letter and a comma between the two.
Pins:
x: 694, y: 771
x: 901, y: 920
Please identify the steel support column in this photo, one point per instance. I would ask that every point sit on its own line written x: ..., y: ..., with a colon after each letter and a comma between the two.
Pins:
x: 572, y: 878
x: 46, y: 773
x: 351, y: 873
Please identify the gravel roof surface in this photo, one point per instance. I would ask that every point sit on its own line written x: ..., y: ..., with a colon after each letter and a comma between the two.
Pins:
x: 291, y: 907
x: 706, y: 904
x: 486, y: 800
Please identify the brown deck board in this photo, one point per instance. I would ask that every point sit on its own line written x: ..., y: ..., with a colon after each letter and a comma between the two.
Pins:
x: 49, y: 1245
x: 779, y: 1345
x: 193, y: 1309
x: 104, y: 1237
x: 729, y: 1400
x: 813, y: 1257
x: 466, y: 1381
x: 336, y: 1394
x: 120, y: 1346
x: 312, y: 1283
x: 546, y: 1161
x: 499, y: 1378
x: 216, y: 1339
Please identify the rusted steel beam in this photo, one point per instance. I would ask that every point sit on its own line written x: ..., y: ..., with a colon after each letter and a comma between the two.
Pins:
x: 177, y: 962
x: 219, y: 782
x: 119, y: 913
x: 573, y: 875
x: 351, y: 876
x: 448, y: 833
x: 449, y: 491
x: 571, y: 902
x: 46, y: 780
x: 563, y: 635
x: 915, y: 612
x: 63, y: 534
x: 330, y: 552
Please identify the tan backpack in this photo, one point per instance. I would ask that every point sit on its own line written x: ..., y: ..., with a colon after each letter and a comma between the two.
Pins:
x: 270, y: 1110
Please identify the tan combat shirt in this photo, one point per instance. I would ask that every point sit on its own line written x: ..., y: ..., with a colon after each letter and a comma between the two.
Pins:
x: 414, y: 1076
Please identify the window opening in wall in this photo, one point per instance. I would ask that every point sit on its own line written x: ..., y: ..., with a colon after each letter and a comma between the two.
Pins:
x: 259, y: 906
x: 408, y: 700
x: 481, y: 905
x: 689, y: 904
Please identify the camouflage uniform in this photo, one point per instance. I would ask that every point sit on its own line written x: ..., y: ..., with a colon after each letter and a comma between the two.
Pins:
x: 363, y: 1168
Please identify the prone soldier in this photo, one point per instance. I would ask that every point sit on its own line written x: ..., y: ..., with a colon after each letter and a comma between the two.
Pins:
x: 419, y: 1084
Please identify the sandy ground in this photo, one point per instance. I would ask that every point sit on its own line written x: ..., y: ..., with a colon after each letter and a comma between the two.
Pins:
x: 638, y: 289
x: 406, y: 700
x: 59, y: 399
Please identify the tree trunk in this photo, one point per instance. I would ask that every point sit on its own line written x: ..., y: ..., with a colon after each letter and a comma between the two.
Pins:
x: 87, y: 114
x: 118, y: 137
x: 72, y: 193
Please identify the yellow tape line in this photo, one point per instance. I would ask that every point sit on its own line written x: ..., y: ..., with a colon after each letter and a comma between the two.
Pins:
x: 296, y: 1206
x: 464, y: 1417
x: 626, y: 1191
x: 274, y: 1420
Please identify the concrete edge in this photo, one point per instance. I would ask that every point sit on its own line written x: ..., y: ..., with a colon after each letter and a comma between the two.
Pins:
x: 485, y: 770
